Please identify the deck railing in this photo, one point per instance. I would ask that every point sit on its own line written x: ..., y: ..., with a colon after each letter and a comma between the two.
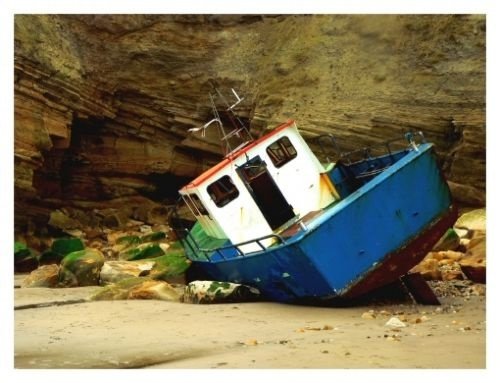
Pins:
x: 189, y: 242
x: 327, y: 142
x: 196, y: 249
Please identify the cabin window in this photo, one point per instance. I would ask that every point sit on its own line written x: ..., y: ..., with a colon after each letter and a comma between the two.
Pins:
x: 281, y: 152
x: 195, y: 205
x: 223, y: 191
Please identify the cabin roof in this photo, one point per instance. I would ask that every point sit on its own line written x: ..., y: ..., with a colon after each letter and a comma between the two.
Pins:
x: 232, y: 156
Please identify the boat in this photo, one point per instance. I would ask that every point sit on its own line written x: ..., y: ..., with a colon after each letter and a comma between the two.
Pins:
x: 271, y: 215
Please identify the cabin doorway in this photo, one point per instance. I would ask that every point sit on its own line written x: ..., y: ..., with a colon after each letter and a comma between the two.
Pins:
x: 266, y: 194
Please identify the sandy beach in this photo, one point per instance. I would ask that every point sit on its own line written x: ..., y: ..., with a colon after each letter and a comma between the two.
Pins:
x: 56, y: 328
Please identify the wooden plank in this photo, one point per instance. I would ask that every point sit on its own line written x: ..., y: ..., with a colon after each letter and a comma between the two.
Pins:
x: 419, y: 289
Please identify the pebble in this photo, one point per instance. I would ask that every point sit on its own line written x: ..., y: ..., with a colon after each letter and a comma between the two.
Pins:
x: 368, y: 315
x: 395, y: 322
x: 251, y: 342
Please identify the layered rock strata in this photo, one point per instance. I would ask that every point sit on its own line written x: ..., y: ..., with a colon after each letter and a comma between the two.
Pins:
x: 103, y: 103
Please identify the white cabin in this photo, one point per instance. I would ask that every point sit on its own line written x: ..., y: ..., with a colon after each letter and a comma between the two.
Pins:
x: 260, y: 189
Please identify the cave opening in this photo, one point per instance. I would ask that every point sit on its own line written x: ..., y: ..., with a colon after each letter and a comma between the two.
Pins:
x: 165, y: 187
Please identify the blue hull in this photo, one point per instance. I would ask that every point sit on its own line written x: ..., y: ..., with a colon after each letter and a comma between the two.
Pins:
x: 368, y: 239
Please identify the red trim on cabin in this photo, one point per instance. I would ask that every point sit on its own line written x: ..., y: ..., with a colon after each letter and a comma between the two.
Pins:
x: 232, y: 156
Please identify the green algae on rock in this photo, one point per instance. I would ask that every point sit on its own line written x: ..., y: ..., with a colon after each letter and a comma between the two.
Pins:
x: 81, y: 268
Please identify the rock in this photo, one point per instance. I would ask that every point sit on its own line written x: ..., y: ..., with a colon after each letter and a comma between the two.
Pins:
x: 218, y: 292
x: 128, y: 240
x: 449, y: 273
x: 368, y: 315
x: 473, y: 264
x: 429, y: 268
x: 475, y: 273
x: 145, y: 229
x: 87, y: 132
x: 467, y: 194
x: 440, y: 265
x: 64, y: 246
x: 115, y: 220
x: 171, y: 266
x: 473, y: 220
x: 154, y: 236
x: 44, y: 276
x: 464, y: 242
x: 81, y: 268
x: 423, y: 318
x: 478, y: 290
x: 76, y: 233
x: 115, y: 271
x: 462, y: 233
x: 153, y: 289
x: 50, y: 257
x: 145, y: 250
x: 449, y: 241
x: 395, y: 322
x: 62, y: 221
x: 448, y: 255
x: 157, y: 215
x: 25, y: 258
x: 137, y: 288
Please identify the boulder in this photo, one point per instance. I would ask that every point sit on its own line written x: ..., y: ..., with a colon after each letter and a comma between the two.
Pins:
x: 440, y: 265
x: 473, y: 264
x: 64, y: 246
x: 154, y: 236
x: 218, y: 292
x: 462, y: 233
x: 137, y: 288
x: 429, y: 268
x: 172, y: 265
x: 151, y: 214
x: 448, y: 255
x: 451, y: 271
x: 152, y: 289
x: 59, y: 249
x: 449, y: 241
x: 115, y: 271
x: 142, y: 251
x: 25, y: 258
x: 60, y: 220
x: 50, y: 257
x: 81, y: 268
x: 473, y: 220
x: 44, y: 276
x: 128, y: 240
x: 115, y: 220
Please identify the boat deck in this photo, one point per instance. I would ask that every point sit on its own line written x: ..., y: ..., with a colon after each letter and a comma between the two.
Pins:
x: 300, y: 225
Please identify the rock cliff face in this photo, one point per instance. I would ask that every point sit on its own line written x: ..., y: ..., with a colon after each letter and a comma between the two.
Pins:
x: 103, y: 102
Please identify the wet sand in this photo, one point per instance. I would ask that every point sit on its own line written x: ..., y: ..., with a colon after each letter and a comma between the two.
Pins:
x: 261, y: 335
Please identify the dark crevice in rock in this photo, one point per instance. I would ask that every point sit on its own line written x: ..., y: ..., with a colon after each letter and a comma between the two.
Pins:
x: 165, y: 187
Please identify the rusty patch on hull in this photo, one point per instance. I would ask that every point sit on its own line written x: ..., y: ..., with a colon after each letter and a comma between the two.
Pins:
x: 399, y: 262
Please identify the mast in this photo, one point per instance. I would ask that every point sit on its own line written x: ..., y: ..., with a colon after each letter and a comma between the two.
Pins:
x: 234, y: 137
